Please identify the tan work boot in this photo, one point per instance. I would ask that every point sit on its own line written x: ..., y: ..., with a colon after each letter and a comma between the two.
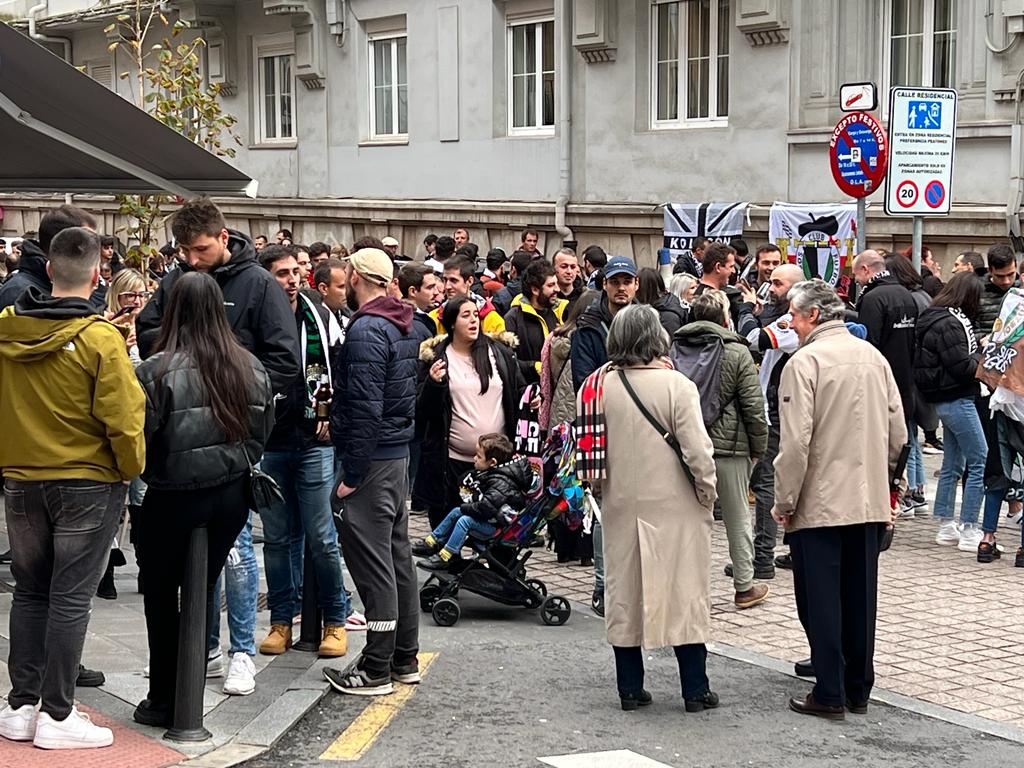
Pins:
x: 756, y: 594
x: 278, y: 641
x: 335, y: 642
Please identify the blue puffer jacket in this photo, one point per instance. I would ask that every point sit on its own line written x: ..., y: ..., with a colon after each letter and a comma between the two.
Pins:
x: 375, y: 392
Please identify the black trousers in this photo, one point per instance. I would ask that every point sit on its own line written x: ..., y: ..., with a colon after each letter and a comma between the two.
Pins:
x: 692, y: 661
x: 835, y: 578
x: 165, y: 522
x: 454, y: 471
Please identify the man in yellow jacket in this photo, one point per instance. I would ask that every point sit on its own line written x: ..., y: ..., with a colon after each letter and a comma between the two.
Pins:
x: 458, y: 280
x: 73, y: 415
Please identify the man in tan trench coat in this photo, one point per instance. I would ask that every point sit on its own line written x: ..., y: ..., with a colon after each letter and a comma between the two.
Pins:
x: 842, y: 430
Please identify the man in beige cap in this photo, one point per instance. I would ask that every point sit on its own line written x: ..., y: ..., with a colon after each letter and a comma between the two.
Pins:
x: 372, y: 425
x: 391, y: 246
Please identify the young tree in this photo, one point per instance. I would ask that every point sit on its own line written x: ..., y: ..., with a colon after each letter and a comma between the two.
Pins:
x: 168, y: 84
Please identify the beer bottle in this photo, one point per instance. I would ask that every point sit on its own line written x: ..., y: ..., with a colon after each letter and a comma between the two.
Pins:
x: 323, y: 399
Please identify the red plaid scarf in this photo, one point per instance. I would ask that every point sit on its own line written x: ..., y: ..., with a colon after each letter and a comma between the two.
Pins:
x: 591, y: 436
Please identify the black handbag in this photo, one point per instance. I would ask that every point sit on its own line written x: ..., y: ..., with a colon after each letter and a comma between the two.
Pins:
x: 264, y: 491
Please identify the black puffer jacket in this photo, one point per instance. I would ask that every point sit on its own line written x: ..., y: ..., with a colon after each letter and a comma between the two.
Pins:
x: 889, y: 312
x: 672, y: 314
x: 185, y: 449
x: 31, y: 272
x: 257, y: 309
x: 947, y: 356
x: 375, y: 390
x: 434, y: 415
x: 502, y: 300
x: 504, y: 484
x: 991, y: 304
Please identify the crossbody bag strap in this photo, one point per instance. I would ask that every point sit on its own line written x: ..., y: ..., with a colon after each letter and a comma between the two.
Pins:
x: 666, y: 435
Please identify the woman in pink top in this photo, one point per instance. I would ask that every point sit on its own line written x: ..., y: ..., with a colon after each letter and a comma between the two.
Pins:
x: 472, y: 387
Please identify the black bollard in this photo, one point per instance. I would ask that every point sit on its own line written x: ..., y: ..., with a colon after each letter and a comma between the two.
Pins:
x: 310, y: 634
x: 191, y: 680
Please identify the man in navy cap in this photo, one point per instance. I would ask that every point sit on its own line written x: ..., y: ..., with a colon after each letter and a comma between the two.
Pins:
x: 589, y: 352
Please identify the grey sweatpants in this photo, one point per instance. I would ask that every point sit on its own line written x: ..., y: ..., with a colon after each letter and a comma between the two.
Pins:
x: 375, y: 542
x: 733, y: 477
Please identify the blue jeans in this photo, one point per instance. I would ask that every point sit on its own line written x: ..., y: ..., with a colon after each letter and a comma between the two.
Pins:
x: 993, y: 504
x: 964, y: 443
x: 456, y: 527
x: 915, y: 461
x: 243, y: 586
x: 305, y: 478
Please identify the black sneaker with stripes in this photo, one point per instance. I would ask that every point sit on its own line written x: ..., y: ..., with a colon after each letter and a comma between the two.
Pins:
x: 357, y: 682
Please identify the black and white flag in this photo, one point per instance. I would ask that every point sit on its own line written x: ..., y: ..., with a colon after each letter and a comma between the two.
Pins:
x: 685, y: 222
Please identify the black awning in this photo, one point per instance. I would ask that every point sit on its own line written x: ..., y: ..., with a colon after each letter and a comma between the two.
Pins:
x: 61, y: 131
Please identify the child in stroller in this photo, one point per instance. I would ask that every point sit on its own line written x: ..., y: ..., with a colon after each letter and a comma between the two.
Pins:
x: 497, y: 488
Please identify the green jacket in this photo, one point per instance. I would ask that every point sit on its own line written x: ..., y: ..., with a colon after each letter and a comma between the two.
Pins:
x: 741, y: 428
x: 70, y: 405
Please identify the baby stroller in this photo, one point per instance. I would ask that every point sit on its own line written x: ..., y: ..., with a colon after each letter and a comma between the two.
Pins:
x: 496, y: 569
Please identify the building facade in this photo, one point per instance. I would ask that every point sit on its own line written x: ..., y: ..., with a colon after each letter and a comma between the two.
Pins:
x: 579, y: 117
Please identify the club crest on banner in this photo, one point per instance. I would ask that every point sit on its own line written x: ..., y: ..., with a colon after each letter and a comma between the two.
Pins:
x: 817, y: 238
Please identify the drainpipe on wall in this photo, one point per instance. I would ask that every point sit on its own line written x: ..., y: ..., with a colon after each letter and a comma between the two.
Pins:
x: 565, y: 125
x: 35, y: 35
x: 1013, y: 205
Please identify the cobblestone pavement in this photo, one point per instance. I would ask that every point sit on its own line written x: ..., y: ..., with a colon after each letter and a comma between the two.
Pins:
x: 949, y: 628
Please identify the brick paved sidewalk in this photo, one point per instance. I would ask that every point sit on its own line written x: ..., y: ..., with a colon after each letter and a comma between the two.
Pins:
x: 948, y: 627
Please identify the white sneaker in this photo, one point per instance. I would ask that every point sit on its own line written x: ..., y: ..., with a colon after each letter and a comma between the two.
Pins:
x: 906, y: 511
x: 241, y: 679
x: 18, y: 724
x: 356, y: 622
x: 215, y: 666
x: 76, y: 731
x: 949, y: 533
x: 970, y: 538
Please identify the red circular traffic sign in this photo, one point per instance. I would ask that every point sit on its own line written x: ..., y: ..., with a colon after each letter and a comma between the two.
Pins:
x: 906, y: 193
x: 858, y: 154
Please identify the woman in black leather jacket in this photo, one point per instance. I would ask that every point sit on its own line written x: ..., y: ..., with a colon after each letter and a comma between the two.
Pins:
x: 209, y: 411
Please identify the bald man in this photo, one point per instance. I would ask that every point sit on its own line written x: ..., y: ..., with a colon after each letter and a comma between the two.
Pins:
x: 772, y: 343
x: 889, y: 313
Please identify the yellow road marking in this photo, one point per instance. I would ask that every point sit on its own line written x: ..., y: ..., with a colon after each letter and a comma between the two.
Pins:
x: 357, y: 739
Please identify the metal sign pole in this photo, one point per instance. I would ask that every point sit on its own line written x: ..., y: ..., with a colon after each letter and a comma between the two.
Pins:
x: 862, y: 224
x: 916, y: 243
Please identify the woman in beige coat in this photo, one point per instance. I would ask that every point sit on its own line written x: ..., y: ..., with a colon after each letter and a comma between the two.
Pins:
x: 657, y: 522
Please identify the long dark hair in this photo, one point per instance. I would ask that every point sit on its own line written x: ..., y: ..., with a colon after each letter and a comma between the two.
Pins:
x: 480, y: 351
x: 963, y: 292
x: 585, y: 299
x: 196, y: 325
x: 651, y: 288
x: 903, y: 270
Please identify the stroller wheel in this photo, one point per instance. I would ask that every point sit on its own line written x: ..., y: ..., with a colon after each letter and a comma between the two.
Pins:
x: 446, y: 612
x: 429, y: 595
x: 554, y: 611
x: 537, y: 585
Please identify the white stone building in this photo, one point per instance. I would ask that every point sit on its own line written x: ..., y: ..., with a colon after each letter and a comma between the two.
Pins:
x: 404, y: 117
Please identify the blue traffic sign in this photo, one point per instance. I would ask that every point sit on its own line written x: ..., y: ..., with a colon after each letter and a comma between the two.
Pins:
x: 924, y: 115
x: 858, y: 152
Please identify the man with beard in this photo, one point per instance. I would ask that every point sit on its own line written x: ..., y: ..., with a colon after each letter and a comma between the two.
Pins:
x: 769, y: 257
x: 589, y: 351
x: 372, y: 418
x: 263, y: 322
x: 533, y: 319
x: 421, y: 290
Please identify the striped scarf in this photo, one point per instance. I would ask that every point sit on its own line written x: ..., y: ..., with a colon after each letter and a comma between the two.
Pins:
x: 591, y: 435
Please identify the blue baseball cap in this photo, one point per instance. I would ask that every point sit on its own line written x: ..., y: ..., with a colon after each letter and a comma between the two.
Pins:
x: 619, y: 265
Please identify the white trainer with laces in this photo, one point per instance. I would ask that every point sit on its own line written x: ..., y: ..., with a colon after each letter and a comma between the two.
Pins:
x: 76, y: 731
x: 970, y: 537
x: 906, y: 511
x: 949, y: 533
x: 241, y: 679
x: 215, y: 665
x: 18, y: 724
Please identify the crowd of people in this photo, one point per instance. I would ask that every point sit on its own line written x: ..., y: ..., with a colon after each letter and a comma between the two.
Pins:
x: 334, y: 391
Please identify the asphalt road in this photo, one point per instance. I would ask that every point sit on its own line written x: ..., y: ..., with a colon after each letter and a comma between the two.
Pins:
x: 504, y: 690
